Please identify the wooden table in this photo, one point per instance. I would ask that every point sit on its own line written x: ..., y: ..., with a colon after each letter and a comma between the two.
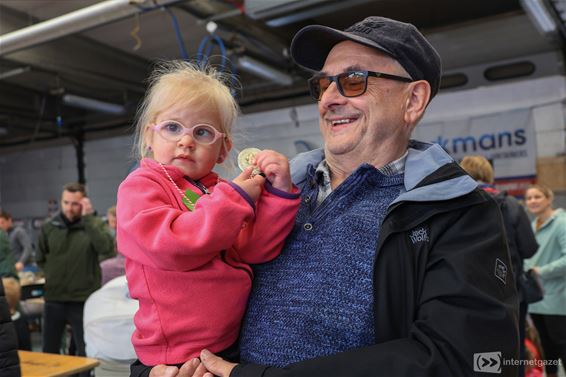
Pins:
x: 38, y: 364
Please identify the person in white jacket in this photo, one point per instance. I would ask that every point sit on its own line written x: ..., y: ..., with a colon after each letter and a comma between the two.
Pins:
x: 108, y: 327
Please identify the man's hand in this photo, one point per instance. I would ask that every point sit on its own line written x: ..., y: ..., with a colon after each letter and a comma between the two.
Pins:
x: 163, y: 370
x: 86, y: 206
x: 215, y: 365
x: 210, y: 366
x: 192, y: 368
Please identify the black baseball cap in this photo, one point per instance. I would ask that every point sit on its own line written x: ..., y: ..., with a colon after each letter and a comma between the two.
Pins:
x: 401, y: 41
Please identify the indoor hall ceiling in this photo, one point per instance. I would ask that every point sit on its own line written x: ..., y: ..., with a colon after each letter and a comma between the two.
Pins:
x: 110, y: 62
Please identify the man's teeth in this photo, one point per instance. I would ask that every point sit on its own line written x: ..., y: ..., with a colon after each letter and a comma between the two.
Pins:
x: 341, y: 121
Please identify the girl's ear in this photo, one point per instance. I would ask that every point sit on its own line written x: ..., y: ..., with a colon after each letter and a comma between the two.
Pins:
x: 148, y: 139
x: 226, y: 147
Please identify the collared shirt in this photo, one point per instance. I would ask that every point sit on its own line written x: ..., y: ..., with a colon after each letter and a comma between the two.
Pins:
x: 322, y: 175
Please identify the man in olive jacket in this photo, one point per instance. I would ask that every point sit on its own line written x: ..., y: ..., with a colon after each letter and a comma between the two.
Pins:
x: 70, y: 247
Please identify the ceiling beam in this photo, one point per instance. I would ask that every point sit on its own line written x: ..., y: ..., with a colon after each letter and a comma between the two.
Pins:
x: 91, y: 60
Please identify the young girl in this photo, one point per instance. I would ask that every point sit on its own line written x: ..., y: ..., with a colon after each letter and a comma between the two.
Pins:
x: 188, y: 235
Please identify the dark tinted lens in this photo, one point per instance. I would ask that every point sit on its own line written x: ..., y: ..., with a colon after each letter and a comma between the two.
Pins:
x: 204, y: 133
x: 353, y: 83
x: 323, y: 84
x: 314, y: 87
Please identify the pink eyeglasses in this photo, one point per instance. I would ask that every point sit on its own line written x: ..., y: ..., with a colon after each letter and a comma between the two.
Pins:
x: 174, y: 131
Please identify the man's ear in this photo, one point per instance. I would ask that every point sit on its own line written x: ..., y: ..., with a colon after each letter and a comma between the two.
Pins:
x: 226, y: 148
x: 417, y: 101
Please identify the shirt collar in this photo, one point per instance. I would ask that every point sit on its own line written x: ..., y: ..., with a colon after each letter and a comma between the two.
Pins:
x: 322, y: 172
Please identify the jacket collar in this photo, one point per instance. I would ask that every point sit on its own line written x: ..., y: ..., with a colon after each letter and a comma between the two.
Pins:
x: 423, y: 164
x: 60, y: 221
x: 557, y: 213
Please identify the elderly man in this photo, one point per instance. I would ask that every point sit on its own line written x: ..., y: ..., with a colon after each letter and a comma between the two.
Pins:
x: 397, y: 265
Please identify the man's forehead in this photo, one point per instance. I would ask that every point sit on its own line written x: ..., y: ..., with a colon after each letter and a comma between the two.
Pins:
x: 72, y: 196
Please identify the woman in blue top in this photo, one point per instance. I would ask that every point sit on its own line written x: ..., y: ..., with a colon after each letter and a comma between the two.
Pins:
x: 549, y: 262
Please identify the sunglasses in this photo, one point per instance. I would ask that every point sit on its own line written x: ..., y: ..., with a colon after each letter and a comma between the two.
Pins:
x: 349, y: 84
x: 174, y: 131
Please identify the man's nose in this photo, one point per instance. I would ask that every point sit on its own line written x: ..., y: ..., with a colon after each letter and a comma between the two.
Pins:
x: 332, y: 97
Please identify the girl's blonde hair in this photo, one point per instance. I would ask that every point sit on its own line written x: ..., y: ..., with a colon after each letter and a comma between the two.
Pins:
x: 547, y: 192
x: 183, y: 83
x: 478, y: 167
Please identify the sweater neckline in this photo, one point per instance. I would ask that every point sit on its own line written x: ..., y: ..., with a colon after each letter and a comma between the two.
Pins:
x: 177, y: 175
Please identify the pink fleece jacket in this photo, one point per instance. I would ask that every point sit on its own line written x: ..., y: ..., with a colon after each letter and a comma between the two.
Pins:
x: 189, y: 270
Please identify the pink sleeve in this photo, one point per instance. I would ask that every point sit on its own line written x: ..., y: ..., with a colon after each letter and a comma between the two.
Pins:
x: 153, y: 231
x: 261, y: 240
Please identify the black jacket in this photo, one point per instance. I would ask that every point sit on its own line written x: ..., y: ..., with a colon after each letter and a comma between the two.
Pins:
x: 520, y: 237
x: 9, y: 361
x: 443, y: 286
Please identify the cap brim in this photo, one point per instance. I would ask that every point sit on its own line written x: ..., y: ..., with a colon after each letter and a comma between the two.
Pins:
x: 311, y: 45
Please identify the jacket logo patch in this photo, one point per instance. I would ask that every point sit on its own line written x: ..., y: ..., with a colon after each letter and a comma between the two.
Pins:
x: 500, y: 270
x: 419, y: 235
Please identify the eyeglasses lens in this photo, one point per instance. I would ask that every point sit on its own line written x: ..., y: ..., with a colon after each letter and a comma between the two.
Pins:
x: 353, y: 83
x: 350, y: 84
x: 204, y: 134
x: 171, y: 131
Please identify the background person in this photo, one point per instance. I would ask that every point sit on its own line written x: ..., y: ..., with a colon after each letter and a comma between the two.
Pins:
x: 19, y: 318
x: 7, y: 264
x: 111, y: 220
x: 113, y: 267
x: 9, y: 359
x: 187, y: 234
x: 520, y: 237
x: 70, y: 247
x: 108, y: 327
x: 20, y: 241
x: 549, y: 315
x: 397, y: 264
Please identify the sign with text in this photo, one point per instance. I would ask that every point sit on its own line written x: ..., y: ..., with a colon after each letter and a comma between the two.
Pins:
x: 507, y: 139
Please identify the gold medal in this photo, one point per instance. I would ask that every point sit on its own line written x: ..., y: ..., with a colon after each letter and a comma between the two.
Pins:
x: 247, y: 158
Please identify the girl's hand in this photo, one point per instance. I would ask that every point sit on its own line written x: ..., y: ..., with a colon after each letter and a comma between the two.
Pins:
x: 275, y: 166
x: 251, y: 185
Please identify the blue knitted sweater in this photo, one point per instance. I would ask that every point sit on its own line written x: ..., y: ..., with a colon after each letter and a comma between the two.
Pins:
x: 323, y: 277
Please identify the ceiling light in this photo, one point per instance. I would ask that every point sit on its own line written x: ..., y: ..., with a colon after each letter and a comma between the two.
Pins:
x: 75, y: 22
x: 93, y: 104
x: 540, y: 16
x: 14, y: 72
x: 258, y: 68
